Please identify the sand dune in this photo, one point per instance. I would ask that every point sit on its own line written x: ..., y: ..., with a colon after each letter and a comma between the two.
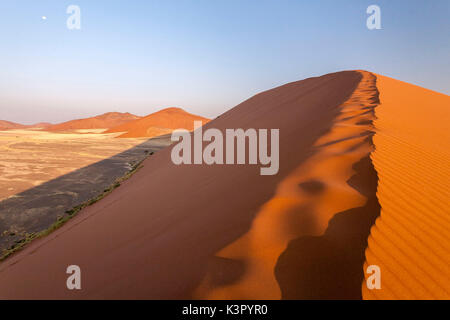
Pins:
x: 411, y: 240
x: 158, y: 123
x: 104, y: 121
x: 7, y: 125
x: 156, y: 235
x: 131, y: 126
x: 225, y: 231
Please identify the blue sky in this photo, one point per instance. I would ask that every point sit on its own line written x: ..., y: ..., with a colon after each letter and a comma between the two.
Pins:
x: 203, y: 56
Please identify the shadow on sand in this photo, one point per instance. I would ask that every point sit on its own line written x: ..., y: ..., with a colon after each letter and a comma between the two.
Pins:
x: 331, y: 266
x: 36, y: 209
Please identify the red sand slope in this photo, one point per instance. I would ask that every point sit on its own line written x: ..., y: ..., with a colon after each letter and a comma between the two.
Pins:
x: 158, y: 123
x: 411, y: 239
x: 157, y: 235
x: 104, y: 121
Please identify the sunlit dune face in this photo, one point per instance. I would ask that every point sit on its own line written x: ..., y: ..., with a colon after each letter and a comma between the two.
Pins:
x: 410, y: 240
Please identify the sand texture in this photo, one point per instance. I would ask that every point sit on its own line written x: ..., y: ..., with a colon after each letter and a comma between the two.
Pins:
x: 411, y: 239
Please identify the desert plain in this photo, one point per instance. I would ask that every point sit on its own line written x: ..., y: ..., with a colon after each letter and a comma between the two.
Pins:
x: 44, y: 174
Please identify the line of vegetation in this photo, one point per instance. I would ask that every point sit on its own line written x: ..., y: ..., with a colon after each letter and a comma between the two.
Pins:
x: 69, y: 214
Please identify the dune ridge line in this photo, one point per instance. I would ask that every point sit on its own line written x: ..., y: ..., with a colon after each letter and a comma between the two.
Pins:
x: 308, y: 240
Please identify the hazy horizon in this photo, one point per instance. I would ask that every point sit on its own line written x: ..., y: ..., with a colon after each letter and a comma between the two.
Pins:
x: 205, y: 57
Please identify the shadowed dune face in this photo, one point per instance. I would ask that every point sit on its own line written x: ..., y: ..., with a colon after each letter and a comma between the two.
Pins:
x: 160, y: 235
x: 410, y: 241
x: 158, y: 123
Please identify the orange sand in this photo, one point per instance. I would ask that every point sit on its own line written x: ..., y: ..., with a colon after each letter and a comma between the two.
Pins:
x: 411, y: 239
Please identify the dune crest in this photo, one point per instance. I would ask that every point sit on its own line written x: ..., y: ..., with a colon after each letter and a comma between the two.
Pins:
x: 410, y: 241
x: 303, y: 204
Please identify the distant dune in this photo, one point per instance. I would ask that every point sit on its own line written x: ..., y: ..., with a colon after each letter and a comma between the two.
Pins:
x: 8, y: 125
x: 132, y: 126
x: 158, y: 123
x: 41, y: 125
x: 104, y: 121
x: 352, y: 144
